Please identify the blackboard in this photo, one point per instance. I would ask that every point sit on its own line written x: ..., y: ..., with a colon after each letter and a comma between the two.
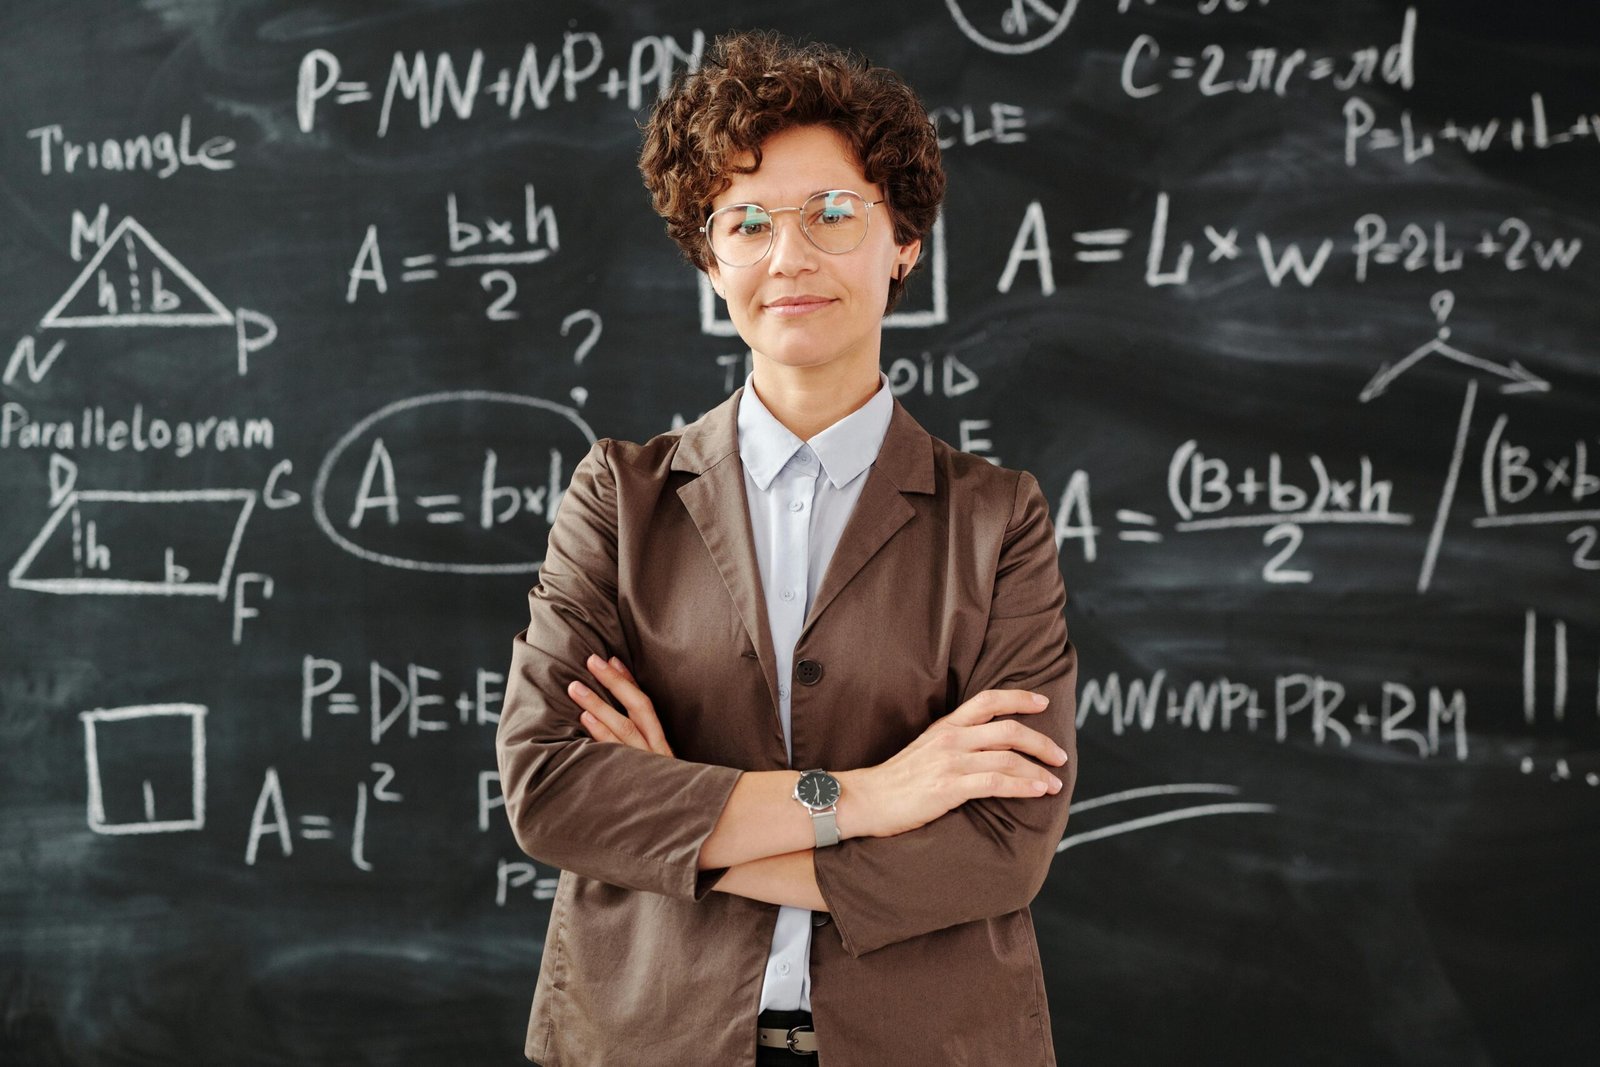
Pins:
x: 309, y: 310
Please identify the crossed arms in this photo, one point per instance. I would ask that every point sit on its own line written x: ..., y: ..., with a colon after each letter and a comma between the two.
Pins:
x: 763, y: 837
x: 949, y: 830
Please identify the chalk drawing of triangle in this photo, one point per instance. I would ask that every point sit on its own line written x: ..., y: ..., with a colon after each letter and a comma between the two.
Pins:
x: 145, y: 286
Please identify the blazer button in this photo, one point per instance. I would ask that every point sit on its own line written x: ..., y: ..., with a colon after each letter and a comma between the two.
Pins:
x: 808, y: 672
x: 820, y: 919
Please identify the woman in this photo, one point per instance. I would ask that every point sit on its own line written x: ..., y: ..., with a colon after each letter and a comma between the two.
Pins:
x: 810, y: 828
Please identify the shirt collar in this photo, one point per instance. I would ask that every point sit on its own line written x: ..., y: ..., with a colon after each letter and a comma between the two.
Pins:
x: 845, y: 449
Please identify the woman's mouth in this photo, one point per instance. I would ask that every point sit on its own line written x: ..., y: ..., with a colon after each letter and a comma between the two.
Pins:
x: 804, y: 307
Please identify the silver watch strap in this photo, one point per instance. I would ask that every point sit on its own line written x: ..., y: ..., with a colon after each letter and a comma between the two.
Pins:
x: 826, y: 826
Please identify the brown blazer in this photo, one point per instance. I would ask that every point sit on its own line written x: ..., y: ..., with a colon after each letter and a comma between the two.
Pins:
x: 945, y: 582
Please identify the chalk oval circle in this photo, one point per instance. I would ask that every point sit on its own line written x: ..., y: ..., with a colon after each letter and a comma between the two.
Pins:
x: 447, y: 413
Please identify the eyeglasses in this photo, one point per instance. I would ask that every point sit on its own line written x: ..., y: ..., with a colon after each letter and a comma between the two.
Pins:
x: 835, y: 221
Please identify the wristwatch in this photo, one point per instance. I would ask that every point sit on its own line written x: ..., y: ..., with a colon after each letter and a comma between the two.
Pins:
x: 818, y: 791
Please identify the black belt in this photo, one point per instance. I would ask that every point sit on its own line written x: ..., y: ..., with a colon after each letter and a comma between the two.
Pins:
x: 787, y: 1029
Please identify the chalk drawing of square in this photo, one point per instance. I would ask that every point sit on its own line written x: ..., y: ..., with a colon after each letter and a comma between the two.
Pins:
x: 101, y: 725
x: 143, y: 533
x: 936, y: 313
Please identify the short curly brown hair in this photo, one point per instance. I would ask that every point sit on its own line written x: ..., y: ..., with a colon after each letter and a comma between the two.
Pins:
x: 753, y: 84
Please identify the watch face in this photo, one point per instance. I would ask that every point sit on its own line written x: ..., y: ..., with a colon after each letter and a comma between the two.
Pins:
x: 818, y: 789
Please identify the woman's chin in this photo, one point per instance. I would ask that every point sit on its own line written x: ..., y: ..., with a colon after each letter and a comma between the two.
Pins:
x: 793, y: 357
x: 814, y: 351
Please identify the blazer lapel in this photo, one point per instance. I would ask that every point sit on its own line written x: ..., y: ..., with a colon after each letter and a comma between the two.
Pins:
x: 716, y: 502
x: 904, y: 465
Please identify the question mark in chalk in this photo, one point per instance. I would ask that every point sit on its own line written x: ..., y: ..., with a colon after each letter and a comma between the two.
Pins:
x: 579, y: 393
x: 1441, y: 303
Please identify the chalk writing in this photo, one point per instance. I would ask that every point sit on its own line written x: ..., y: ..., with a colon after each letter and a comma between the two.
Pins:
x: 93, y: 428
x: 397, y: 695
x: 122, y: 790
x: 161, y: 153
x: 514, y: 874
x: 271, y: 822
x: 1432, y: 724
x: 1147, y: 72
x: 1003, y: 124
x: 1561, y: 676
x: 1013, y: 27
x: 151, y: 542
x: 432, y: 83
x: 1082, y: 805
x: 141, y: 285
x: 490, y: 242
x: 1414, y: 142
x: 373, y: 506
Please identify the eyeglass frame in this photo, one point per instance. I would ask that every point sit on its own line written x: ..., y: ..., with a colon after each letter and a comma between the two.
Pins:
x: 772, y: 236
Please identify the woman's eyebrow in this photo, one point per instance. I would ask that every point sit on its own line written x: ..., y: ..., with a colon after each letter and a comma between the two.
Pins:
x: 814, y: 192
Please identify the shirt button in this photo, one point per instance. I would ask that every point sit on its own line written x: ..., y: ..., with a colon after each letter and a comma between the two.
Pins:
x: 783, y: 691
x: 787, y: 594
x: 796, y: 505
x: 808, y: 672
x: 783, y: 968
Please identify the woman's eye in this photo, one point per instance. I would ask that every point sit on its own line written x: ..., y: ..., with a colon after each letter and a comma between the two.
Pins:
x: 750, y: 221
x: 833, y: 213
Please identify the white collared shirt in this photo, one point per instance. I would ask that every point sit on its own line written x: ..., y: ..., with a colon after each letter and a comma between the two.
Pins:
x: 801, y: 493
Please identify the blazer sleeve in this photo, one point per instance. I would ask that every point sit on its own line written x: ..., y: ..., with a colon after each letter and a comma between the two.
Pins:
x: 990, y: 855
x: 612, y: 812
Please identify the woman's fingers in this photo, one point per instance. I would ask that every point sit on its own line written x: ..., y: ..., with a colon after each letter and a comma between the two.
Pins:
x: 597, y: 729
x: 640, y: 710
x: 992, y: 703
x: 998, y: 784
x: 641, y: 720
x: 617, y: 726
x: 1011, y: 734
x: 976, y: 764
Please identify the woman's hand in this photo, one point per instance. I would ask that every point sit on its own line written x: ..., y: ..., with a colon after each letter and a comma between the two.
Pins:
x: 639, y: 728
x: 960, y: 756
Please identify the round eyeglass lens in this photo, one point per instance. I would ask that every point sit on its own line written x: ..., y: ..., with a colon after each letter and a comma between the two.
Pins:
x: 834, y: 221
x: 740, y: 233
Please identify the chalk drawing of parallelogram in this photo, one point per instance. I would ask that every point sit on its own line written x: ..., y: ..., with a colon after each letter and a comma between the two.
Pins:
x: 145, y: 743
x: 156, y: 542
x: 140, y: 284
x: 936, y: 313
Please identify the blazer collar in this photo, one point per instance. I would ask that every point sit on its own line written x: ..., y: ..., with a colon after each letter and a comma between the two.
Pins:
x: 906, y: 457
x: 715, y: 500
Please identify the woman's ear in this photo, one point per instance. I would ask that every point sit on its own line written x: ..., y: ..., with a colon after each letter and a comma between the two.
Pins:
x: 908, y: 259
x: 716, y: 280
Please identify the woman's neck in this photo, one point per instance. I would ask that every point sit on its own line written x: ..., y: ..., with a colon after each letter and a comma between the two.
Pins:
x: 807, y: 400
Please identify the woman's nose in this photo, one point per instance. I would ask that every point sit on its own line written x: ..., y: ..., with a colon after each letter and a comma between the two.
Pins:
x: 792, y: 251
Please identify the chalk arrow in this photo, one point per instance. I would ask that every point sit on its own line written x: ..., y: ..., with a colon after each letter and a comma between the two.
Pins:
x: 1519, y: 378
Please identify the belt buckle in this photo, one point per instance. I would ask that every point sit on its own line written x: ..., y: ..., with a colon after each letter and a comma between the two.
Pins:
x: 789, y: 1040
